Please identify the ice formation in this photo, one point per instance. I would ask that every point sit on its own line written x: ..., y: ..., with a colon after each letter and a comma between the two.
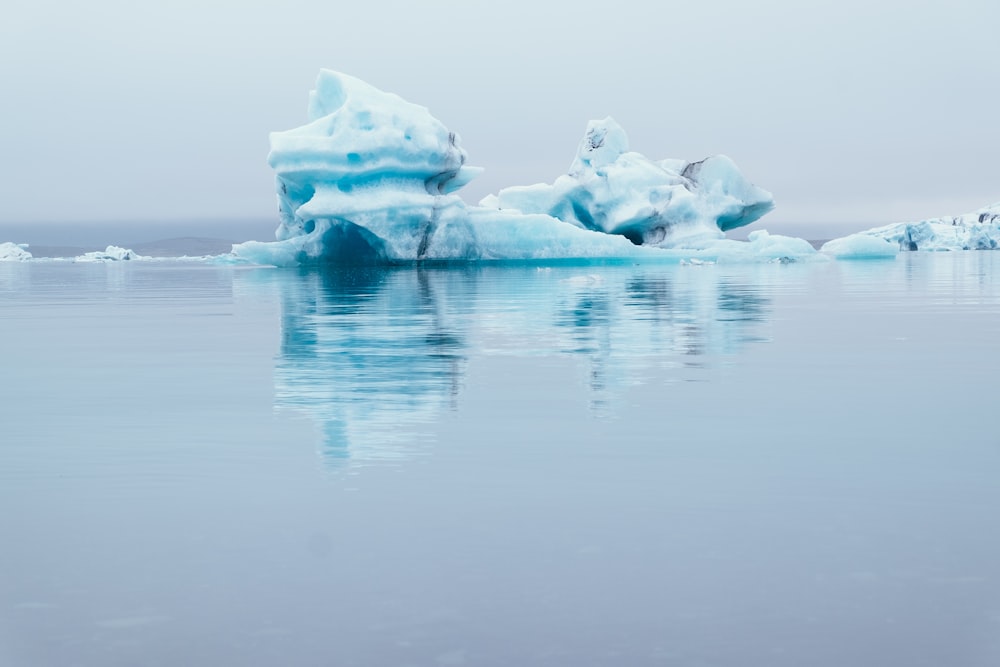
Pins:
x: 370, y: 177
x: 14, y: 252
x: 860, y: 246
x: 112, y: 253
x: 671, y: 203
x: 979, y: 230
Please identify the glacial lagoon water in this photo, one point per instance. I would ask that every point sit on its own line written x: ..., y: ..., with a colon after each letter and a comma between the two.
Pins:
x: 566, y: 465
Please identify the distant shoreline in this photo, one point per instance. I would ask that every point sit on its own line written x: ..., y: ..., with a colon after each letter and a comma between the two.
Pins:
x: 45, y: 237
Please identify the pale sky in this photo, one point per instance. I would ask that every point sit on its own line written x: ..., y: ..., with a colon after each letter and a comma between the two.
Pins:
x: 852, y: 111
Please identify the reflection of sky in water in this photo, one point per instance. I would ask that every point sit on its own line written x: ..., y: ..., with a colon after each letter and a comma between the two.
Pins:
x: 375, y: 356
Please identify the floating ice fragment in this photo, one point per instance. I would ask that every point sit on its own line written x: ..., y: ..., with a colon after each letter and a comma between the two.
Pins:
x: 775, y: 247
x: 860, y: 246
x: 14, y: 252
x: 111, y: 254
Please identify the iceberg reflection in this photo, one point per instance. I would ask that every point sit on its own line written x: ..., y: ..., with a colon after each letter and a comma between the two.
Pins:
x: 377, y: 356
x: 370, y: 355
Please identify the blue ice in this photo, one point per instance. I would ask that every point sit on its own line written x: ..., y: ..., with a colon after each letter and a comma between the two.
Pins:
x: 370, y: 179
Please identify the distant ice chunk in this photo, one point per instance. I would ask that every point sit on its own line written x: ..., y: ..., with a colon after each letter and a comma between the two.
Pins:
x: 670, y: 203
x: 112, y: 253
x: 860, y: 246
x: 760, y: 246
x: 979, y: 230
x: 775, y: 247
x: 14, y: 252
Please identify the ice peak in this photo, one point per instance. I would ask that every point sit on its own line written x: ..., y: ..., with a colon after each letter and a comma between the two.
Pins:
x: 603, y: 143
x: 357, y: 132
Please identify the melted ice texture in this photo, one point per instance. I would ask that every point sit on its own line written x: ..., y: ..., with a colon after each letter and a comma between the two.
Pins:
x: 370, y: 177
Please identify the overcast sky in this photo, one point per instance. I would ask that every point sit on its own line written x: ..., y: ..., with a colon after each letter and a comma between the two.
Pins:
x: 853, y: 111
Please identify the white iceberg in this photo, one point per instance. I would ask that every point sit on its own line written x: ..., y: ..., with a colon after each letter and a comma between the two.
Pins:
x: 14, y: 252
x: 774, y: 247
x: 369, y: 180
x: 112, y: 253
x: 979, y: 230
x: 860, y: 246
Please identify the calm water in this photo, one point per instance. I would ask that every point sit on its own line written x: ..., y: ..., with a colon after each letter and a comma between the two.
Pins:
x: 695, y: 465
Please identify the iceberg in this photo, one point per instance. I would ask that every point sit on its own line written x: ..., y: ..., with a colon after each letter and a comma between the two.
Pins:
x: 669, y: 203
x: 860, y: 246
x: 370, y: 179
x: 112, y: 253
x: 14, y: 252
x: 979, y: 230
x: 774, y: 247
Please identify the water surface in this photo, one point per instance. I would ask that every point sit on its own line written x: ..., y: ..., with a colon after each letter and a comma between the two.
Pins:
x: 683, y: 465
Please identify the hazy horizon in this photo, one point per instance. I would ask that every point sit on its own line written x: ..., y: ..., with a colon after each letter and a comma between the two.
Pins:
x: 848, y: 112
x: 97, y: 234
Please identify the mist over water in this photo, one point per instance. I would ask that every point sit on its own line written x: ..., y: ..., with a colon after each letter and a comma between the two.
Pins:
x: 589, y: 465
x: 171, y: 238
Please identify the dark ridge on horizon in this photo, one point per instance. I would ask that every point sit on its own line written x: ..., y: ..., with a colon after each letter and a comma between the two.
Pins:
x: 190, y: 246
x: 99, y: 235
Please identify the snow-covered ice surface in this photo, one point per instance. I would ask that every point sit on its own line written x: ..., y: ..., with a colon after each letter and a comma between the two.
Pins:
x: 13, y: 252
x: 369, y: 180
x: 979, y: 230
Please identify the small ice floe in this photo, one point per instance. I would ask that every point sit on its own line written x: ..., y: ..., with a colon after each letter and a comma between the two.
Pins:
x: 110, y: 254
x: 778, y: 249
x: 860, y: 246
x: 14, y: 252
